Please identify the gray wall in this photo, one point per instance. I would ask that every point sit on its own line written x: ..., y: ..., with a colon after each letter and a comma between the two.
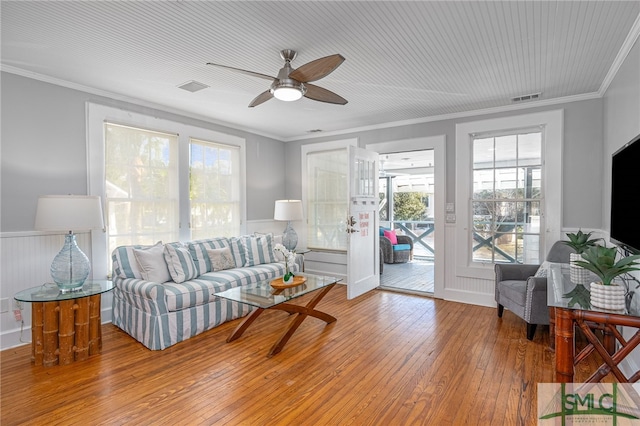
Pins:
x: 44, y: 150
x: 621, y: 117
x: 582, y: 170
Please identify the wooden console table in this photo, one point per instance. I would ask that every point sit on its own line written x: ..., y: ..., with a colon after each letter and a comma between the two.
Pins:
x: 571, y: 313
x: 65, y: 327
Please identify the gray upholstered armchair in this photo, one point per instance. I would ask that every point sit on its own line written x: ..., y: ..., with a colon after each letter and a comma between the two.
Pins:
x: 523, y: 293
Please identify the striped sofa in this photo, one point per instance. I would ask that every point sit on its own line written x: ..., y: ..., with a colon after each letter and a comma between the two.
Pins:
x: 165, y: 293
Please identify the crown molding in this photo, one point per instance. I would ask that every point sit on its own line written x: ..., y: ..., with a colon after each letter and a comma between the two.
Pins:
x: 124, y: 98
x: 472, y: 113
x: 621, y: 56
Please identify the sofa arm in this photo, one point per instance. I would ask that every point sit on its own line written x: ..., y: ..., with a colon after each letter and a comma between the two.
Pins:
x: 145, y: 295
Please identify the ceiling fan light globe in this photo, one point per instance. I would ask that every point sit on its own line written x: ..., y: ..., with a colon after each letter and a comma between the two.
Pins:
x: 287, y: 94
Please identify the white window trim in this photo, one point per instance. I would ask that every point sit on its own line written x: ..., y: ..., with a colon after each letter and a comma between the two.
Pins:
x: 552, y: 125
x: 96, y: 115
x: 317, y: 147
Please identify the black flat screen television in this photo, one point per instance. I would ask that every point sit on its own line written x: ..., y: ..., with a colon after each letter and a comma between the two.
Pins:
x: 625, y: 196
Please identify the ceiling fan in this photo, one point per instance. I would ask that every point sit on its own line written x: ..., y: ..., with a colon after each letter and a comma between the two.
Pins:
x: 292, y: 84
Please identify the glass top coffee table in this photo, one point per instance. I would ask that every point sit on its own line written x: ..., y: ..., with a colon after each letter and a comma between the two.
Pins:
x: 263, y: 296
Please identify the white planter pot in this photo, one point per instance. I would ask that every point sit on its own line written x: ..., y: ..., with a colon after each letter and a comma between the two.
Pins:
x: 607, y: 296
x: 577, y: 274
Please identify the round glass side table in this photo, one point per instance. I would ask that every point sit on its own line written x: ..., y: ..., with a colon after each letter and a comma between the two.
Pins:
x: 65, y: 327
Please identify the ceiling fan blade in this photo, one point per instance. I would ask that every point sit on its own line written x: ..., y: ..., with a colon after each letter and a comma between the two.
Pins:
x: 254, y: 74
x: 323, y: 95
x: 315, y: 70
x: 261, y: 98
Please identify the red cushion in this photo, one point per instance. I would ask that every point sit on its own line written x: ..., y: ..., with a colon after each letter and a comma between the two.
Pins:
x: 391, y: 235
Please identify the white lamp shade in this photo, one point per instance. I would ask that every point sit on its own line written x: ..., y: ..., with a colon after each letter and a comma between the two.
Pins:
x: 288, y: 210
x: 69, y: 213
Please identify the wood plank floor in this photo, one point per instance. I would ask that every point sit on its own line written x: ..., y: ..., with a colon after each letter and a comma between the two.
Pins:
x: 416, y: 275
x: 390, y: 359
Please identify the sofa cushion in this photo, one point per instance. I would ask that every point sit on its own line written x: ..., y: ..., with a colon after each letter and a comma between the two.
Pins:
x: 198, y: 250
x: 221, y: 259
x: 191, y: 293
x: 401, y: 247
x: 258, y: 250
x: 125, y: 263
x: 152, y: 265
x: 180, y: 263
x: 202, y: 290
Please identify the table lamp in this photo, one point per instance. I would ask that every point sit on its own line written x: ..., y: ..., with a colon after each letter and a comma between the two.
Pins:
x: 70, y: 268
x: 288, y: 210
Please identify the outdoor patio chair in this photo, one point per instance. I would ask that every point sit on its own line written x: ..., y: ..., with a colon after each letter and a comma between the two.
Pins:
x: 400, y: 252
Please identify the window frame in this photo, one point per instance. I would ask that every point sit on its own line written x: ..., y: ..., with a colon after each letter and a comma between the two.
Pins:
x: 551, y: 124
x: 97, y: 115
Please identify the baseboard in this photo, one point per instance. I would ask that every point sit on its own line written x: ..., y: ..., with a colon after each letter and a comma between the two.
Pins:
x: 20, y: 337
x: 469, y: 297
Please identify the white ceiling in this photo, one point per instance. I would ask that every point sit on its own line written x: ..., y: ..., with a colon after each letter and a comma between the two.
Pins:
x: 405, y: 61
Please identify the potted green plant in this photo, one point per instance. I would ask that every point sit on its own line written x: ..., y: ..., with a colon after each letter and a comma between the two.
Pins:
x: 579, y: 242
x: 602, y: 262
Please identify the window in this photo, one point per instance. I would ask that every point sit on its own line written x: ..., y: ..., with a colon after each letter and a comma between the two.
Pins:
x: 327, y: 199
x: 141, y: 183
x: 508, y: 192
x: 214, y: 189
x: 161, y: 180
x: 506, y: 196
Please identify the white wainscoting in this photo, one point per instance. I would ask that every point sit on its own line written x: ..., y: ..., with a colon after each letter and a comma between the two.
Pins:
x: 476, y: 291
x: 26, y: 259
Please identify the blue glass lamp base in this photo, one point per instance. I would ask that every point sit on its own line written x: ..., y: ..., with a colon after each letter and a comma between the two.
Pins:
x: 70, y: 268
x: 289, y: 237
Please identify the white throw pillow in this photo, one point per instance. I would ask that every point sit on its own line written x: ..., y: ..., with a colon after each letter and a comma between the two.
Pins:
x: 221, y: 259
x: 152, y: 264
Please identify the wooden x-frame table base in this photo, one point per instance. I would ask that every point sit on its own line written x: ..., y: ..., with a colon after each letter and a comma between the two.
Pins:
x: 587, y: 321
x: 302, y: 312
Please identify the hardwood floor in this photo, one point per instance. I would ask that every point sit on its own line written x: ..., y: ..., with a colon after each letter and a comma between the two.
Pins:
x: 390, y: 359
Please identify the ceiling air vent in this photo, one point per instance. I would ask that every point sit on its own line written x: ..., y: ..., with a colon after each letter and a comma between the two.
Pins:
x: 314, y: 131
x: 192, y: 86
x: 530, y: 97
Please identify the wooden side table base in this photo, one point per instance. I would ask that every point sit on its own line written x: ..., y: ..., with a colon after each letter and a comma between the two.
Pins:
x: 65, y: 331
x: 302, y: 312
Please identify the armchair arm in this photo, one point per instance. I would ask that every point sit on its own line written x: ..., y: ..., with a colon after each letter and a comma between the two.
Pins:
x: 536, y: 310
x: 405, y: 239
x: 387, y: 250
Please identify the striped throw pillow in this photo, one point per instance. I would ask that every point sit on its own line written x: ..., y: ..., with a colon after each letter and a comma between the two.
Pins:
x: 125, y: 264
x: 237, y: 251
x: 258, y: 250
x: 181, y: 265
